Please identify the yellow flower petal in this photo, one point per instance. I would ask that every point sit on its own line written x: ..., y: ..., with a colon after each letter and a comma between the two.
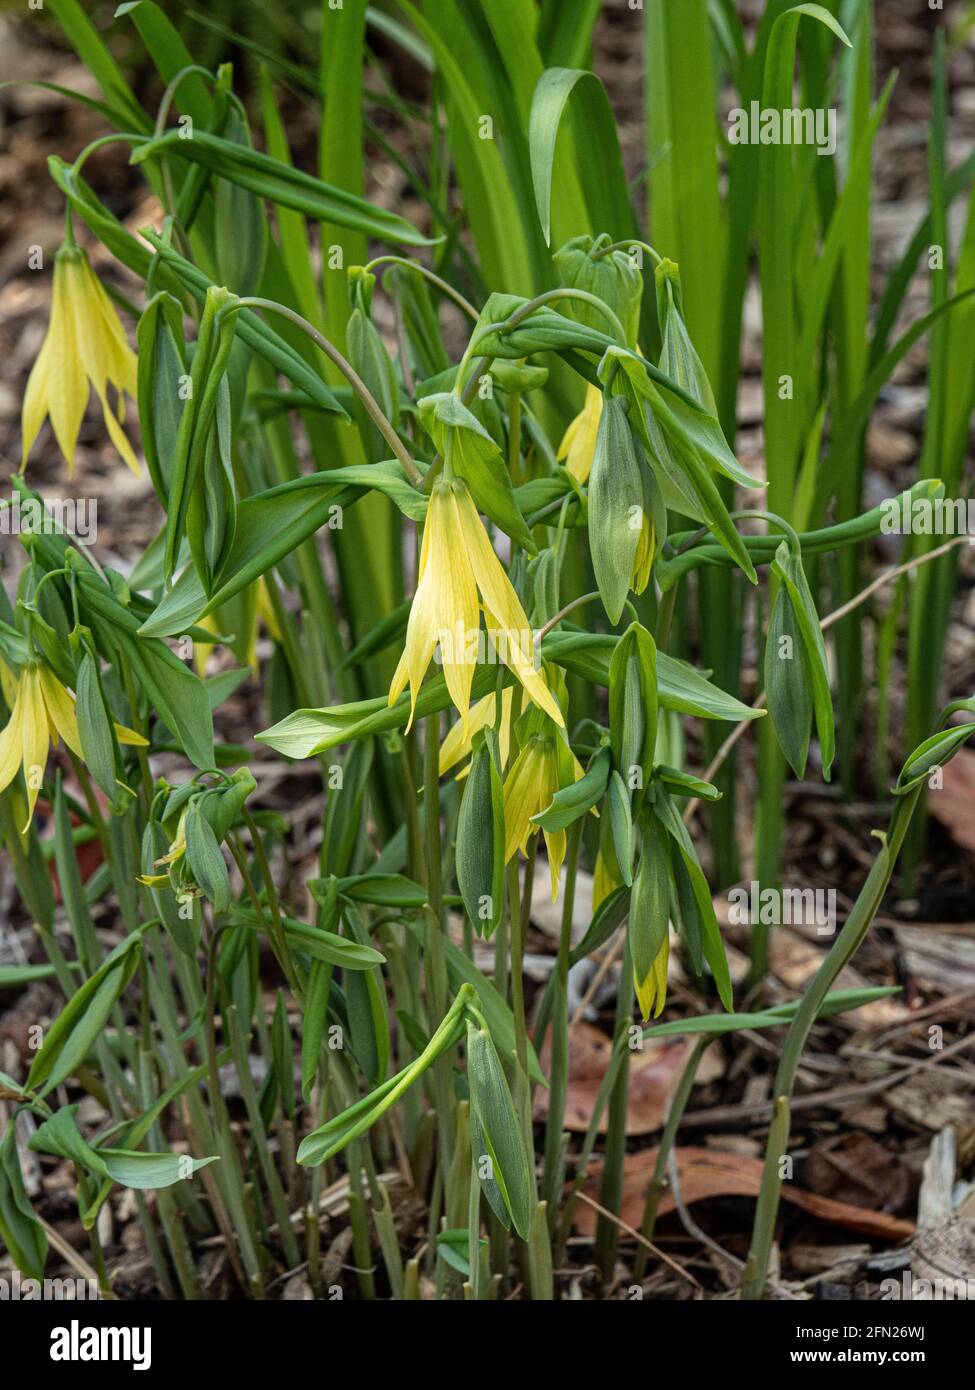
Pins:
x: 12, y: 741
x: 651, y: 992
x: 457, y: 744
x: 506, y: 617
x: 60, y: 705
x: 34, y: 736
x: 579, y: 441
x: 521, y: 797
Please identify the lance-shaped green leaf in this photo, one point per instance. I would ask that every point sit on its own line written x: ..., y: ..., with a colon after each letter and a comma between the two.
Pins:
x: 608, y: 917
x: 841, y: 1001
x: 329, y: 1138
x: 499, y: 1132
x: 618, y: 804
x: 678, y: 355
x: 615, y: 506
x: 161, y: 370
x: 684, y: 784
x: 684, y: 444
x: 649, y: 919
x: 574, y: 800
x: 343, y: 814
x: 78, y: 1026
x: 480, y: 839
x: 239, y: 221
x: 384, y: 890
x: 60, y: 1135
x: 788, y: 682
x: 367, y: 354
x: 476, y: 458
x: 205, y: 858
x: 96, y: 729
x: 22, y: 1233
x: 314, y: 1012
x: 633, y: 697
x: 319, y: 943
x: 931, y: 755
x: 365, y: 1007
x: 280, y: 183
x: 210, y: 360
x: 711, y: 943
x: 787, y: 566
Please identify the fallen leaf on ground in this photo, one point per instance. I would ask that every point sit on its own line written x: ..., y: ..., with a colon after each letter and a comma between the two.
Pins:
x: 709, y: 1173
x: 655, y: 1072
x: 952, y: 802
x: 856, y: 1169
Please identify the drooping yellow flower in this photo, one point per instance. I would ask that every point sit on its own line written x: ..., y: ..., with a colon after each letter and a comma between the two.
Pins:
x: 176, y: 852
x: 42, y: 713
x: 457, y: 744
x: 85, y: 345
x: 458, y: 562
x: 543, y: 767
x: 579, y: 441
x: 651, y: 992
x: 605, y: 876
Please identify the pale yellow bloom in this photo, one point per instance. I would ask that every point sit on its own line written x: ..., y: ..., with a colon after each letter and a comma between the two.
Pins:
x: 176, y: 851
x: 457, y: 744
x: 457, y: 564
x: 651, y: 992
x: 536, y: 775
x: 42, y: 713
x: 605, y: 877
x: 579, y: 441
x: 85, y: 345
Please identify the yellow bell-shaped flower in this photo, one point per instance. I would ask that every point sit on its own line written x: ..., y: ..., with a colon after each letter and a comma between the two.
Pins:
x: 459, y: 573
x: 84, y: 347
x: 42, y: 713
x: 579, y: 441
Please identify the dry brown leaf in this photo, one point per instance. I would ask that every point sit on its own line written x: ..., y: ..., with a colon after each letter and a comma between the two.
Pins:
x: 654, y: 1074
x: 854, y: 1168
x: 710, y: 1173
x: 952, y: 803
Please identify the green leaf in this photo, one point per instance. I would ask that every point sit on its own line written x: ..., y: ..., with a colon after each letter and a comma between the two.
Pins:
x: 649, y: 918
x: 476, y: 458
x: 711, y: 942
x: 282, y: 184
x: 22, y: 1233
x: 615, y: 506
x: 144, y: 1171
x: 597, y: 143
x: 788, y: 682
x: 480, y: 841
x: 78, y: 1026
x: 314, y: 1012
x: 788, y: 567
x: 574, y: 800
x: 498, y: 1128
x: 205, y: 858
